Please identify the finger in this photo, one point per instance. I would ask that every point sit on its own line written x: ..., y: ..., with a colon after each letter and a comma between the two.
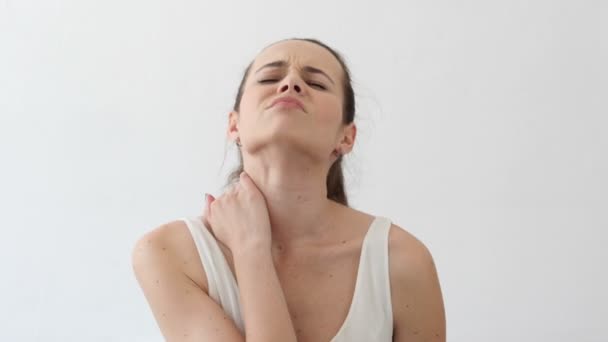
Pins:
x: 248, y: 183
x: 206, y: 203
x: 206, y: 211
x: 207, y: 218
x: 232, y: 187
x: 208, y: 199
x: 245, y: 180
x: 237, y: 186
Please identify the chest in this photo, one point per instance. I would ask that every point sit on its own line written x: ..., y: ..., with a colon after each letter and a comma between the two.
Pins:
x: 319, y: 285
x: 319, y: 294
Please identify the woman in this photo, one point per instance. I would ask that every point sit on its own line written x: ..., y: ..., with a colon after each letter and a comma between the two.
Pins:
x: 280, y: 256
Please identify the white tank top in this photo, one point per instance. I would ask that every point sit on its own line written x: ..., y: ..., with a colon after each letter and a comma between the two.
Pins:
x: 370, y: 317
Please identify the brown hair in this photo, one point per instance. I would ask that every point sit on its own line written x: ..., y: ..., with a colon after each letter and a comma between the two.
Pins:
x: 335, y: 177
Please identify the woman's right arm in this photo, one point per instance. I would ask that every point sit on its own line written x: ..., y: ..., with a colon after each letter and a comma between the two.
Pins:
x: 184, y: 312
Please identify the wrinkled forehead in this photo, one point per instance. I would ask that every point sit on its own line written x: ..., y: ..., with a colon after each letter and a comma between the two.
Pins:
x: 299, y: 53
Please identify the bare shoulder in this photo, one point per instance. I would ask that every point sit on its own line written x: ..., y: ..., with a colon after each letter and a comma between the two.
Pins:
x: 406, y: 250
x: 171, y: 243
x: 418, y: 309
x: 181, y: 308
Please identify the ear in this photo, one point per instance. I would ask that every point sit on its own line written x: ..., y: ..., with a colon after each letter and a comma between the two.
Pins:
x: 348, y: 138
x: 233, y: 120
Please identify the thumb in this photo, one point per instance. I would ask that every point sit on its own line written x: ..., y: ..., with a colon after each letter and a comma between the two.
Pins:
x: 208, y: 199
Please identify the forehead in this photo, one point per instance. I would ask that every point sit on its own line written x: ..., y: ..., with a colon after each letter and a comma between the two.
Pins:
x: 300, y: 53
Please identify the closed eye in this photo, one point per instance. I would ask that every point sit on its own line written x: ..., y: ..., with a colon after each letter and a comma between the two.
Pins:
x: 318, y: 85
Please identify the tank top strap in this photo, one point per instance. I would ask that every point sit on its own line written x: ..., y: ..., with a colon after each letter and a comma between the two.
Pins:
x: 221, y: 282
x: 373, y: 307
x: 376, y: 263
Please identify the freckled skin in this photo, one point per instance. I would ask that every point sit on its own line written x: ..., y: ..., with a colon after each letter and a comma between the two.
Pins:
x: 325, y: 276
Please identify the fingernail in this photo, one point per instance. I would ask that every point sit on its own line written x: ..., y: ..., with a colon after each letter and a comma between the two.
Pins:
x: 206, y: 196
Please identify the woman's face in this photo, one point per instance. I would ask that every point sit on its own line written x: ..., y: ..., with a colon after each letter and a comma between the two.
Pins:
x: 308, y: 73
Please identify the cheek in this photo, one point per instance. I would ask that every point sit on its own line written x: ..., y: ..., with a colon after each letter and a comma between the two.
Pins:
x: 330, y: 109
x: 246, y: 99
x: 253, y: 98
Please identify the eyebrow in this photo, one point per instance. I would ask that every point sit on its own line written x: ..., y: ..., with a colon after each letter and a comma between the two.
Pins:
x: 306, y: 68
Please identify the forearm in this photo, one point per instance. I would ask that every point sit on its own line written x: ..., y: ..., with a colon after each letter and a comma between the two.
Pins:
x: 263, y: 303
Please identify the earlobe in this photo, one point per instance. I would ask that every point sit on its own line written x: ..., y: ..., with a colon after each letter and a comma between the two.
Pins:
x: 232, y: 126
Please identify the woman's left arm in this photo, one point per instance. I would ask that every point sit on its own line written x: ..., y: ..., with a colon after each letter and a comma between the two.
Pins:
x: 418, y: 310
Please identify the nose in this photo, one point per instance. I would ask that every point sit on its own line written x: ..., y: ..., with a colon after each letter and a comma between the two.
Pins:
x: 291, y: 82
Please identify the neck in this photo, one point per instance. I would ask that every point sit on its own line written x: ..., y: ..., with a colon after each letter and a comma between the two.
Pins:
x: 296, y: 197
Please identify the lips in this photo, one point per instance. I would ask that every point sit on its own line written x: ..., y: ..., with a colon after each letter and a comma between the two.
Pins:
x: 288, y: 99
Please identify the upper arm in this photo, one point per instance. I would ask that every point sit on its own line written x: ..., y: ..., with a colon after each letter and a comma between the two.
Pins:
x: 183, y: 311
x: 418, y: 309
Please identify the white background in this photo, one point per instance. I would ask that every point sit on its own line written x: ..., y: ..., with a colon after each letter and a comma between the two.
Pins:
x: 482, y: 131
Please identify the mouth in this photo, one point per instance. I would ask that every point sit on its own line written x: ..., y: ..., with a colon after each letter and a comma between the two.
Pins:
x: 287, y: 102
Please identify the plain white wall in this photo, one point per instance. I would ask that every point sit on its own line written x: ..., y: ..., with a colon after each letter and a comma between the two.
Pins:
x: 482, y: 130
